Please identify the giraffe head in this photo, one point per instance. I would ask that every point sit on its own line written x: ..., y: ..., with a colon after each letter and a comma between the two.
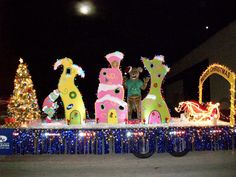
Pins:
x: 156, y: 68
x: 70, y: 69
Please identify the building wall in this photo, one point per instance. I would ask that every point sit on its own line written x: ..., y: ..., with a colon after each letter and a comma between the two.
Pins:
x: 220, y: 48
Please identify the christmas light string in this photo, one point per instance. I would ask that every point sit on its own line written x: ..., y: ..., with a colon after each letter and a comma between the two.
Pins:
x: 104, y: 141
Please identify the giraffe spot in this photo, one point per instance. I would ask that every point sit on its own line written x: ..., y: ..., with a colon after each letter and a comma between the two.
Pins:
x: 65, y: 91
x: 155, y: 85
x: 117, y: 90
x: 69, y: 106
x: 121, y: 108
x: 167, y: 119
x: 159, y: 105
x: 102, y: 106
x: 72, y: 95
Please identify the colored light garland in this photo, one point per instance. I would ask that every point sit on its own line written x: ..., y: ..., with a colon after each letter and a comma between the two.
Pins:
x: 104, y: 141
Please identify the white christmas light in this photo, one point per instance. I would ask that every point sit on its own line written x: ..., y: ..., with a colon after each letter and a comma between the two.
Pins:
x: 128, y: 134
x: 81, y: 134
x: 51, y: 134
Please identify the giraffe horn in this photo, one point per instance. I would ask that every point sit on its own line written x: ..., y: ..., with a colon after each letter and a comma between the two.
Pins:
x: 58, y: 63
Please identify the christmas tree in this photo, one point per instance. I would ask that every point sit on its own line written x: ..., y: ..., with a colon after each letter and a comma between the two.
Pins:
x: 23, y: 105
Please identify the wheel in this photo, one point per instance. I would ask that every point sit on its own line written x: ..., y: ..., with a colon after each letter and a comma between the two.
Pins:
x: 179, y: 147
x: 143, y: 155
x: 143, y: 151
x: 179, y: 154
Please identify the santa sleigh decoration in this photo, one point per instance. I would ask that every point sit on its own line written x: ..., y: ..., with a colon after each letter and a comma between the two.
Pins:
x: 194, y: 111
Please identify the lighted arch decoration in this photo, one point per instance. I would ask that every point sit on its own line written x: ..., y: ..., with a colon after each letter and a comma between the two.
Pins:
x: 229, y: 76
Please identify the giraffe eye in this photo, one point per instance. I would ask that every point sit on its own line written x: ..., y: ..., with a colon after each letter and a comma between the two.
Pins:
x: 151, y: 65
x: 68, y: 71
x: 102, y: 106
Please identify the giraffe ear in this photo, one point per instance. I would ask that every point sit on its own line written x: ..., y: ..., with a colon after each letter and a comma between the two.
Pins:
x: 140, y: 69
x: 79, y: 70
x: 58, y: 63
x: 167, y: 69
x: 160, y: 58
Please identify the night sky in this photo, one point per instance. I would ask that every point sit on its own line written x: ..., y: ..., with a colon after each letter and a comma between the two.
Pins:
x: 42, y: 31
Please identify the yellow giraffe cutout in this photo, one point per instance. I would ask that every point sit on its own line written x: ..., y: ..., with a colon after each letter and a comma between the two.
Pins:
x: 70, y: 95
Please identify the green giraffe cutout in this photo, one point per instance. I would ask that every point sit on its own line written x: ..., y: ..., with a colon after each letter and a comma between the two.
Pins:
x: 154, y: 107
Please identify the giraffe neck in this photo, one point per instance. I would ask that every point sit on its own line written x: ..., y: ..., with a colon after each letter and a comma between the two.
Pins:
x: 155, y: 87
x: 66, y: 84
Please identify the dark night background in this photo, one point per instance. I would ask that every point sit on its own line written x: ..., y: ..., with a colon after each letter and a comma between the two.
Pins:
x: 42, y: 31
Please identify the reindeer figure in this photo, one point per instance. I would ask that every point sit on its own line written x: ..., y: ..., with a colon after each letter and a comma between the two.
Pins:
x: 71, y: 97
x: 154, y: 108
x: 194, y: 111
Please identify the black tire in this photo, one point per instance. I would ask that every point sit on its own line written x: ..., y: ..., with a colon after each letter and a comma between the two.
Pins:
x: 143, y: 151
x: 179, y: 154
x: 143, y: 155
x: 181, y: 151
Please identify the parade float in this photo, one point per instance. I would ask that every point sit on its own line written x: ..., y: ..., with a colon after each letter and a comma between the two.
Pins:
x: 198, y: 127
